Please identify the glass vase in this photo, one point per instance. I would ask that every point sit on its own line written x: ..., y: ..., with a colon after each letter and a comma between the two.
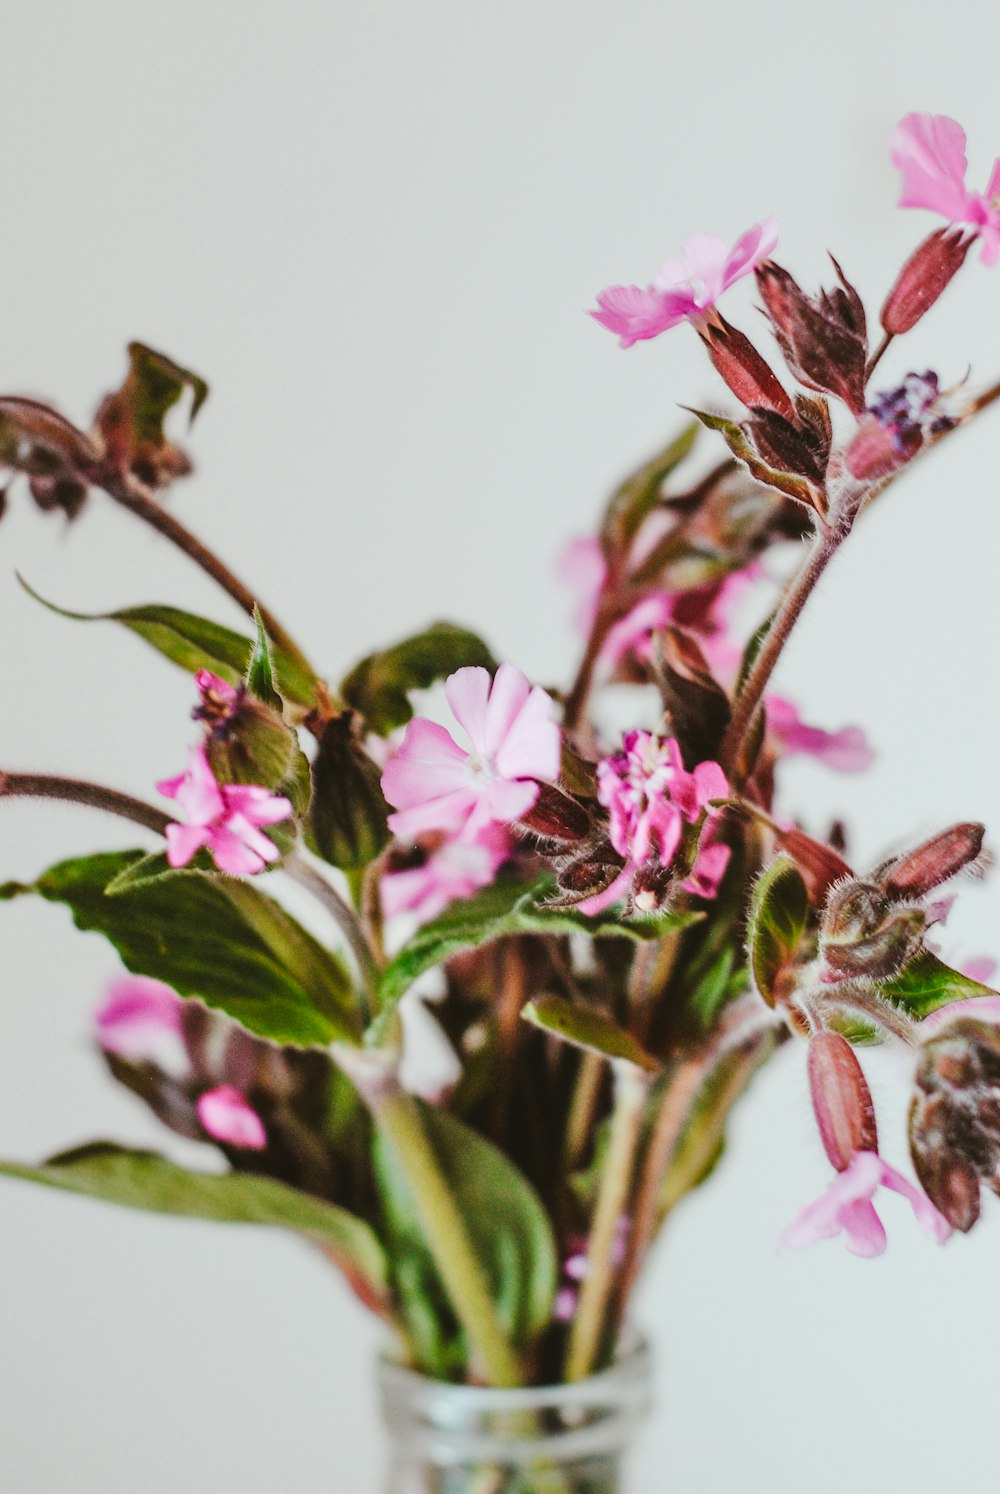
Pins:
x: 552, y: 1439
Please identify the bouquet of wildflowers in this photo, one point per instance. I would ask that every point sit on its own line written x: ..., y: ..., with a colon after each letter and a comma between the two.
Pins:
x: 546, y: 959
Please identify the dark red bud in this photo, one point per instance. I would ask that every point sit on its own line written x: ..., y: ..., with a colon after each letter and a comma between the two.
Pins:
x: 935, y: 861
x: 841, y: 1099
x: 820, y: 866
x: 924, y: 276
x: 555, y: 816
x: 750, y: 378
x: 873, y: 453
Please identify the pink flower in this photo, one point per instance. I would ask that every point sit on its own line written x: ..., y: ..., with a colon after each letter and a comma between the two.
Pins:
x: 847, y: 750
x: 456, y: 868
x: 847, y: 1205
x: 224, y: 817
x: 141, y: 1022
x: 683, y: 291
x: 583, y: 568
x: 227, y: 1117
x: 437, y: 785
x: 929, y: 151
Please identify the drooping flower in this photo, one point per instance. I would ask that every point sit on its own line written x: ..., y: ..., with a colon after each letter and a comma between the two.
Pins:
x: 847, y: 1205
x: 683, y: 291
x: 140, y: 1021
x: 929, y: 152
x: 228, y: 1117
x: 846, y: 751
x: 437, y: 785
x: 223, y: 817
x: 897, y: 424
x: 455, y: 867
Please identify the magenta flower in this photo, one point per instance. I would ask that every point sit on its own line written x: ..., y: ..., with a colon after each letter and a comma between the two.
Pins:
x: 141, y: 1022
x: 223, y: 817
x: 227, y: 1117
x: 437, y: 785
x: 455, y: 868
x: 683, y: 291
x: 847, y: 1205
x: 929, y: 152
x: 847, y: 750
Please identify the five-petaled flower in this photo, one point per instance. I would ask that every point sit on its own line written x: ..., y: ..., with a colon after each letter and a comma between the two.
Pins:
x: 684, y: 291
x: 847, y: 1205
x: 435, y: 784
x: 929, y: 151
x: 223, y: 817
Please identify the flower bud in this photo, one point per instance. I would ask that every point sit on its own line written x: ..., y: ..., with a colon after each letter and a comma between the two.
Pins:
x: 878, y: 955
x: 750, y: 378
x: 955, y: 1116
x: 348, y: 812
x: 820, y: 866
x: 556, y: 817
x: 924, y: 276
x: 937, y: 860
x: 841, y: 1099
x: 823, y: 338
x: 247, y: 741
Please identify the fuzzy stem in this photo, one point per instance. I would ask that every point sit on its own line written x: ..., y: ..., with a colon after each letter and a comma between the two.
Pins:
x: 631, y: 1088
x: 878, y: 354
x: 79, y: 791
x: 135, y: 497
x: 822, y: 551
x: 454, y: 1254
x: 303, y: 872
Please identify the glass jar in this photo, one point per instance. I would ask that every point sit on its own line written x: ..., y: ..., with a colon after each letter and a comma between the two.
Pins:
x: 551, y: 1439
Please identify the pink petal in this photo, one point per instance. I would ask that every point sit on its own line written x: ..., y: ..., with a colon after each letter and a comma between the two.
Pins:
x: 993, y: 185
x: 758, y: 243
x: 705, y: 256
x: 708, y: 870
x: 446, y: 813
x: 247, y: 832
x: 926, y: 1215
x: 710, y: 781
x: 468, y: 695
x: 583, y: 568
x: 231, y: 854
x: 428, y: 765
x: 864, y: 1230
x: 531, y: 747
x: 183, y: 841
x: 227, y: 1117
x: 140, y: 1021
x: 846, y: 751
x: 503, y: 800
x: 199, y: 795
x: 613, y: 894
x: 507, y: 699
x: 636, y: 314
x: 256, y: 804
x: 636, y: 626
x: 929, y: 152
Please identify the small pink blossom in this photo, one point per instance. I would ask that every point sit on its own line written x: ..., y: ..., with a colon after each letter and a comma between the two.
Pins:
x: 683, y: 291
x: 437, y: 785
x: 227, y: 1117
x: 223, y: 817
x: 455, y: 868
x: 847, y: 750
x: 929, y: 152
x: 140, y: 1021
x: 847, y: 1205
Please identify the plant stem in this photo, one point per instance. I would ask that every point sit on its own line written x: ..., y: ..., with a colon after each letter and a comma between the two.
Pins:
x: 878, y: 354
x: 135, y: 497
x: 631, y: 1088
x: 800, y: 588
x: 303, y: 872
x: 398, y: 1115
x: 79, y: 791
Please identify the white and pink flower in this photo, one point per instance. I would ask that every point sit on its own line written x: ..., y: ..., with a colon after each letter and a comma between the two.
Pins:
x: 929, y: 152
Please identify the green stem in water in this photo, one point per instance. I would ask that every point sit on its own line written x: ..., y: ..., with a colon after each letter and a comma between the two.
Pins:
x: 587, y: 1332
x: 398, y: 1116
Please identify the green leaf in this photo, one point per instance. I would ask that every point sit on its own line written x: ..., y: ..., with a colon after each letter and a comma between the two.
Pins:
x: 586, y: 1027
x: 637, y: 495
x: 379, y: 686
x: 504, y: 908
x: 260, y: 671
x: 505, y: 1219
x: 779, y: 911
x: 217, y: 938
x: 195, y: 643
x: 150, y: 868
x: 144, y: 1180
x: 789, y: 483
x: 927, y: 984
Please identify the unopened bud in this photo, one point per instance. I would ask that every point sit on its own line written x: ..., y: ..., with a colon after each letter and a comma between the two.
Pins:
x: 820, y: 866
x: 557, y: 817
x: 348, y: 813
x: 842, y: 1101
x: 823, y: 337
x: 246, y: 740
x: 878, y: 955
x: 750, y: 378
x: 937, y: 860
x: 924, y: 276
x: 955, y: 1116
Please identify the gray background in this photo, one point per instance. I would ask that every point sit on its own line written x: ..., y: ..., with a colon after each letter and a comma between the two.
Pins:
x: 374, y: 228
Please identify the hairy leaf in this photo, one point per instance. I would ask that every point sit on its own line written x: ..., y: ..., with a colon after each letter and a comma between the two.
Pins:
x: 379, y: 685
x: 779, y: 911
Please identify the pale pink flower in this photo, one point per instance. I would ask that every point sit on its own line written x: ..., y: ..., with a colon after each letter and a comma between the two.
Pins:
x: 223, y: 817
x: 140, y: 1021
x: 227, y: 1117
x: 455, y: 868
x: 929, y: 151
x: 583, y: 568
x: 847, y: 1205
x: 683, y: 291
x: 437, y: 785
x: 847, y: 750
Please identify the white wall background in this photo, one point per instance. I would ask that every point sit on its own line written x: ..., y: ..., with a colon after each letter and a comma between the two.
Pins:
x: 374, y: 228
